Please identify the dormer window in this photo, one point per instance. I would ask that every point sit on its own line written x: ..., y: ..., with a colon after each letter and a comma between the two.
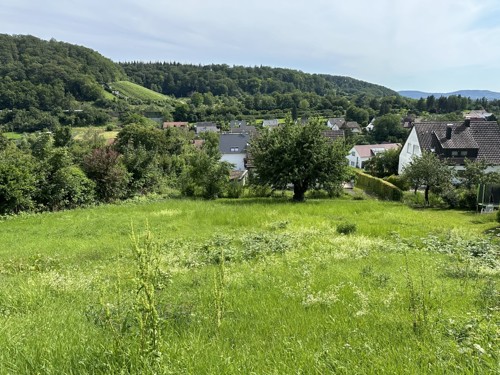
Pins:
x: 234, y: 149
x: 454, y: 153
x: 463, y: 153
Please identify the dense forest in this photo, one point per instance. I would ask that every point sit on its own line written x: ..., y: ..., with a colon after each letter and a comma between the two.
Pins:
x: 182, y: 80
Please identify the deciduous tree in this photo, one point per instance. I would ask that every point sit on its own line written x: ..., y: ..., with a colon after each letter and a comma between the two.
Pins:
x: 299, y: 155
x: 429, y: 171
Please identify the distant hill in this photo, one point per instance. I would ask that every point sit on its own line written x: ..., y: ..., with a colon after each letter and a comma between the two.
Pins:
x: 181, y: 80
x: 473, y: 94
x: 47, y: 75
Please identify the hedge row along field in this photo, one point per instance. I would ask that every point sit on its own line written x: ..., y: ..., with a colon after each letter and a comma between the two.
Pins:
x: 249, y: 286
x: 377, y: 186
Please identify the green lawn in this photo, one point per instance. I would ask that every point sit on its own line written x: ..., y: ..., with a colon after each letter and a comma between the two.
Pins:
x: 134, y: 91
x: 400, y: 295
x: 13, y: 135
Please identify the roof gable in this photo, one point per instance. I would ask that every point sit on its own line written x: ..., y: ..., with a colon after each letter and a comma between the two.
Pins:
x: 233, y: 143
x: 483, y: 136
x: 367, y: 151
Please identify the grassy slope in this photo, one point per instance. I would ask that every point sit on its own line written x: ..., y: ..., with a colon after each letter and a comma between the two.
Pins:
x: 329, y: 303
x: 135, y: 91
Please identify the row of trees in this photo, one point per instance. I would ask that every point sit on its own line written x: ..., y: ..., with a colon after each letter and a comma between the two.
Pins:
x: 53, y: 171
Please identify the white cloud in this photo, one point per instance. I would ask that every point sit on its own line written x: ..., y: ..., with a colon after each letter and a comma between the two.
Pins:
x: 422, y: 44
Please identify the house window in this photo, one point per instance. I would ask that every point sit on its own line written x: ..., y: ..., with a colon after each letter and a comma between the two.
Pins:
x: 353, y: 164
x: 463, y: 153
x: 234, y: 149
x: 416, y: 149
x: 408, y: 149
x: 454, y: 153
x: 353, y: 153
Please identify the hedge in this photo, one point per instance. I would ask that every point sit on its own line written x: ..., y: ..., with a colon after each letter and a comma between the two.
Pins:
x: 377, y: 186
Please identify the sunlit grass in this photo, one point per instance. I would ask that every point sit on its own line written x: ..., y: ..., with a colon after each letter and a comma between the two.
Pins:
x: 298, y: 297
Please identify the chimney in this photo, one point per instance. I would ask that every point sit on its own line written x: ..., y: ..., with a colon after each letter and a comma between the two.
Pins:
x: 448, y: 131
x: 467, y: 122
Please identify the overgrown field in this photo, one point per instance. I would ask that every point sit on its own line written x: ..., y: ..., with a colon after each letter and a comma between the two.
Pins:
x: 249, y: 286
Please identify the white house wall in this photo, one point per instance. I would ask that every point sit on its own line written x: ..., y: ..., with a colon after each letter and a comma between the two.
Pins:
x: 354, y: 160
x: 410, y: 149
x: 237, y: 159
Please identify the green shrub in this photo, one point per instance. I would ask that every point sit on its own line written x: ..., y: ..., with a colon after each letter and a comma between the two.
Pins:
x: 498, y: 216
x: 234, y: 190
x: 346, y: 228
x: 379, y: 187
x: 398, y: 181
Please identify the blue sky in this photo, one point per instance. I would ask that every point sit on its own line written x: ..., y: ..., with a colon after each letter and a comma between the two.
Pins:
x: 427, y: 45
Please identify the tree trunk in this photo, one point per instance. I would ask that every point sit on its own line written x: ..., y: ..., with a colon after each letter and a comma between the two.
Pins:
x: 427, y: 187
x: 299, y: 191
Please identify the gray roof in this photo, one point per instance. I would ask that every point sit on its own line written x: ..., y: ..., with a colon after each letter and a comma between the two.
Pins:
x: 244, y: 130
x: 233, y: 143
x: 339, y: 121
x: 206, y: 127
x: 352, y: 125
x: 237, y: 123
x: 273, y: 122
x: 334, y: 134
x: 483, y: 136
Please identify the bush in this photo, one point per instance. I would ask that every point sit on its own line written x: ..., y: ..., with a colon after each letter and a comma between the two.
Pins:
x: 498, y: 215
x: 346, y: 228
x: 398, y: 181
x: 234, y: 190
x: 379, y: 187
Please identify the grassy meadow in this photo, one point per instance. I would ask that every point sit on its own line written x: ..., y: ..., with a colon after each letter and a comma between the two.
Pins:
x: 249, y: 286
x: 134, y: 91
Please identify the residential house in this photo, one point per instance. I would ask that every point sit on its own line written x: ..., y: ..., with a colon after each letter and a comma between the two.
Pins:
x: 202, y: 127
x: 233, y: 149
x: 359, y: 154
x: 335, y: 123
x: 334, y: 134
x: 352, y: 126
x: 371, y: 125
x: 270, y: 123
x: 241, y: 177
x: 251, y: 130
x: 477, y: 115
x: 175, y: 124
x: 474, y: 140
x: 237, y: 123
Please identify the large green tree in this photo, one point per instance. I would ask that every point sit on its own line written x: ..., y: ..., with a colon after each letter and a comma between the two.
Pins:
x: 299, y: 155
x: 384, y: 163
x: 428, y: 171
x: 388, y: 128
x: 18, y: 178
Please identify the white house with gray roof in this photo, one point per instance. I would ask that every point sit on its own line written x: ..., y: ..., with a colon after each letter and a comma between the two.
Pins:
x: 233, y: 149
x: 456, y: 141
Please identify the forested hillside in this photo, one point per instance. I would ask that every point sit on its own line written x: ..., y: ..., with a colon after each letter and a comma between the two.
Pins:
x: 45, y: 84
x: 181, y: 80
x: 48, y: 74
x: 221, y: 92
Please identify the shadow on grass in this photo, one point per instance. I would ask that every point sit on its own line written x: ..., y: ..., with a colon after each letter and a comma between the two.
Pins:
x: 271, y: 201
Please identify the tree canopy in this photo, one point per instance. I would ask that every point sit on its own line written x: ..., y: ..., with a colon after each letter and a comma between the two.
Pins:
x: 429, y: 171
x: 299, y: 155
